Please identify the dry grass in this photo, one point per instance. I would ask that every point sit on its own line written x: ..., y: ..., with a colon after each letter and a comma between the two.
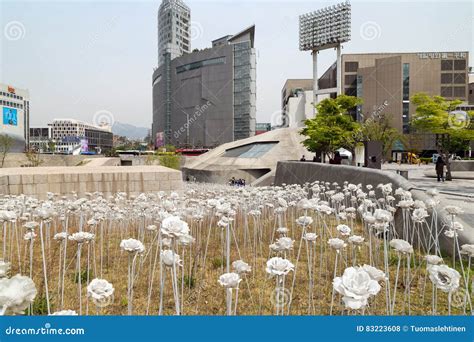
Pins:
x: 202, y: 294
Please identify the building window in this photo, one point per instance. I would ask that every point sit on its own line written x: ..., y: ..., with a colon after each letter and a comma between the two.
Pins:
x: 459, y: 78
x: 460, y: 64
x: 459, y: 92
x: 446, y: 78
x: 446, y: 64
x: 446, y: 91
x: 406, y: 81
x: 406, y: 117
x: 350, y: 80
x: 351, y: 66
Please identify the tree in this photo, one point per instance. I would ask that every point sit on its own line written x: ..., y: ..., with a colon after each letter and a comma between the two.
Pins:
x: 379, y: 128
x: 434, y: 115
x: 333, y: 127
x: 6, y: 143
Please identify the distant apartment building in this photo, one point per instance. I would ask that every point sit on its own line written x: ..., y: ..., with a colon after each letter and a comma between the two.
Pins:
x: 174, y: 36
x: 15, y: 115
x: 207, y: 97
x: 71, y: 137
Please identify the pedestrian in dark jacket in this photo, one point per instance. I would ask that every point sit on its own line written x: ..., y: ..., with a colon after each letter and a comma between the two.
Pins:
x: 440, y: 168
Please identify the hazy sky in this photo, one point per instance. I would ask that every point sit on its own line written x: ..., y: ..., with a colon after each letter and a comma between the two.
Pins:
x: 78, y: 58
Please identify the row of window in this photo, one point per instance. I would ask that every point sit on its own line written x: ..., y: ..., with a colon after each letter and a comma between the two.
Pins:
x: 448, y: 64
x: 11, y: 104
x: 457, y: 92
x: 13, y: 96
x: 457, y: 78
x: 200, y: 64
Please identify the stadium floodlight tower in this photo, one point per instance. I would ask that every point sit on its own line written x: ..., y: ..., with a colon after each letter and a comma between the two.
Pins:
x: 323, y: 29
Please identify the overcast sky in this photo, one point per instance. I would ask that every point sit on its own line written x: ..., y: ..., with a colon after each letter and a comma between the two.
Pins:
x: 86, y: 57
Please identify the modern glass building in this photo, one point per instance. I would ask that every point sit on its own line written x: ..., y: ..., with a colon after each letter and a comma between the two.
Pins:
x: 207, y: 97
x: 174, y: 36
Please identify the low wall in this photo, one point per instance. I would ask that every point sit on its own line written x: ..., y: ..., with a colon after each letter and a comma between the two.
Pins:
x: 107, y: 179
x: 462, y: 165
x: 289, y: 172
x: 19, y: 160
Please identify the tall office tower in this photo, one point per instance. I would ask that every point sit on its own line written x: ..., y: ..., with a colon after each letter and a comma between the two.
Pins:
x: 174, y: 35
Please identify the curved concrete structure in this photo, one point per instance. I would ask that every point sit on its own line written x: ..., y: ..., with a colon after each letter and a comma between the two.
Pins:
x: 251, y: 159
x: 303, y: 172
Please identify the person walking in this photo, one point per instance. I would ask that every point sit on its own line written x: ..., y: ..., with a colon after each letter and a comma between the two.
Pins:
x: 440, y: 168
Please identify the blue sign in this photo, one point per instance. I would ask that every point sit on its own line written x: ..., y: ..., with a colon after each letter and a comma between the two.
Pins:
x: 236, y: 328
x: 10, y: 116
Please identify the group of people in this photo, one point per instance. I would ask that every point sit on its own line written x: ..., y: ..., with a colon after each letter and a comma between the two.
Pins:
x: 237, y: 182
x: 336, y: 160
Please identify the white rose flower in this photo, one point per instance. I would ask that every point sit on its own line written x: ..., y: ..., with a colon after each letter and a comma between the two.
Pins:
x: 336, y: 243
x: 375, y: 273
x: 419, y: 215
x: 81, y: 237
x: 304, y: 221
x: 383, y: 215
x: 64, y: 313
x: 169, y: 258
x: 282, y: 230
x: 60, y: 236
x: 132, y: 246
x: 433, y: 259
x: 356, y: 240
x: 100, y: 290
x: 230, y: 280
x: 310, y: 237
x: 278, y: 266
x: 444, y: 278
x: 174, y: 227
x: 241, y: 266
x: 16, y: 294
x: 356, y: 286
x: 4, y: 268
x: 29, y: 236
x: 282, y: 244
x: 344, y: 229
x: 453, y: 210
x: 401, y: 246
x: 467, y: 249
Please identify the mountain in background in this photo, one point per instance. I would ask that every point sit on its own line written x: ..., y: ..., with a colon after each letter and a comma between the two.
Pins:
x: 129, y: 131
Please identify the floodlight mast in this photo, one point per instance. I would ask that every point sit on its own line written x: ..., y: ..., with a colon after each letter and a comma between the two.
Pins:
x: 326, y: 28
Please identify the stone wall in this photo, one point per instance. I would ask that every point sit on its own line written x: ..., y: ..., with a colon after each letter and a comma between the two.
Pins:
x: 19, y: 160
x: 290, y: 172
x: 107, y: 179
x: 462, y: 165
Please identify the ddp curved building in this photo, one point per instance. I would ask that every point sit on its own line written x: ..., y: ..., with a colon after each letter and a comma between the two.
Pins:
x: 207, y: 97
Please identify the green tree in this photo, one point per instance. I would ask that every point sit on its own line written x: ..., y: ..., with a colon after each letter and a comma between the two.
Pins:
x: 333, y: 127
x: 380, y: 128
x: 6, y: 143
x: 172, y: 161
x: 433, y: 115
